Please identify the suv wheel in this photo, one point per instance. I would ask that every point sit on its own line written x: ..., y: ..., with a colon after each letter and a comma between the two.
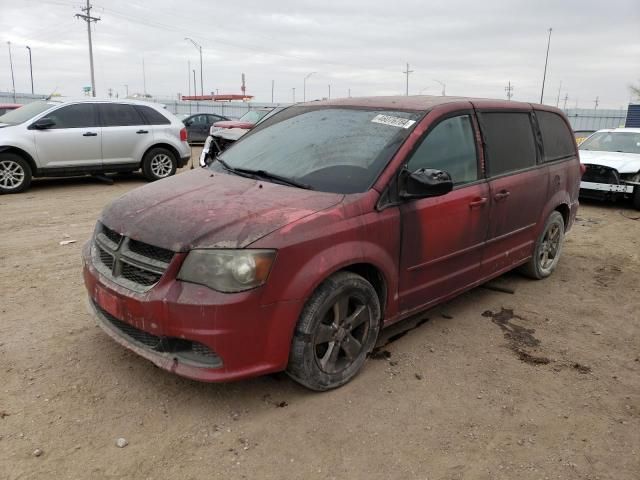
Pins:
x: 547, y: 250
x: 336, y: 331
x: 159, y: 163
x: 15, y: 173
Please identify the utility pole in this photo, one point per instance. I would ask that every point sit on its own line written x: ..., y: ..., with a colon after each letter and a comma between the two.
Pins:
x: 329, y: 97
x: 126, y: 89
x: 596, y: 102
x: 304, y: 87
x: 558, y: 97
x: 110, y: 92
x: 544, y: 75
x: 566, y: 99
x: 144, y: 79
x: 293, y: 90
x: 13, y: 81
x: 88, y: 18
x: 199, y: 47
x: 407, y: 72
x: 444, y: 93
x: 273, y: 82
x: 194, y: 82
x: 509, y: 90
x: 189, y: 76
x: 30, y: 67
x: 349, y: 93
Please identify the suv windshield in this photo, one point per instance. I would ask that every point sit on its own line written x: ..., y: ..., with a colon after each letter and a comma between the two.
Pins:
x: 253, y: 116
x: 624, y: 142
x: 26, y: 112
x: 331, y: 149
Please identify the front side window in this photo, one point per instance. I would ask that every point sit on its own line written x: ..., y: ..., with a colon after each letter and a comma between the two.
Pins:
x: 119, y: 115
x: 450, y: 147
x: 624, y: 142
x: 331, y: 149
x: 556, y: 136
x: 80, y: 115
x: 509, y: 141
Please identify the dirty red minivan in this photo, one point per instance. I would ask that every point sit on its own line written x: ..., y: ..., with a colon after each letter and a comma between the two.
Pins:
x: 326, y: 223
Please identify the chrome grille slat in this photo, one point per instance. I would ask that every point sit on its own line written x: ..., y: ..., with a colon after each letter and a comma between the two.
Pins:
x: 128, y: 262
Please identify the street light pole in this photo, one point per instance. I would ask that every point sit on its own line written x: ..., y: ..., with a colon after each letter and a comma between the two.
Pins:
x: 199, y: 48
x: 30, y: 68
x: 13, y: 81
x: 544, y: 75
x: 304, y: 87
x: 126, y: 89
x: 444, y: 93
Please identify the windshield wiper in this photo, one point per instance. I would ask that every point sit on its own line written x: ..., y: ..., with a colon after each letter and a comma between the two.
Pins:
x: 247, y: 172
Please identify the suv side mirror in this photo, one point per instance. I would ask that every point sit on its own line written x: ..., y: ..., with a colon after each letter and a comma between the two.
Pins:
x: 424, y: 182
x: 188, y: 123
x: 43, y: 123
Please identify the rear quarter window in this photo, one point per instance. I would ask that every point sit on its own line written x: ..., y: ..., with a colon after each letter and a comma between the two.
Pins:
x: 153, y: 117
x: 557, y: 139
x: 509, y: 141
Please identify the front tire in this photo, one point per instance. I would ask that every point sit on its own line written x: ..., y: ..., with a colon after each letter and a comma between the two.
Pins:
x: 159, y: 163
x: 547, y: 250
x: 15, y: 173
x: 336, y: 331
x: 636, y: 197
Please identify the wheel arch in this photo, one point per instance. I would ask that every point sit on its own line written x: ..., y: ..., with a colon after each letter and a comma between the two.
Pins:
x: 23, y: 154
x: 167, y: 146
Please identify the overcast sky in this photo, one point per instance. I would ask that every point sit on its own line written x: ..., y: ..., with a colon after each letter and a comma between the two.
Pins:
x: 474, y: 47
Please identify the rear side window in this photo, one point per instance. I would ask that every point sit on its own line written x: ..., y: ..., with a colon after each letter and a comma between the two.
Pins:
x: 80, y: 115
x: 153, y: 117
x: 509, y: 141
x: 119, y: 115
x: 556, y: 137
x: 450, y: 146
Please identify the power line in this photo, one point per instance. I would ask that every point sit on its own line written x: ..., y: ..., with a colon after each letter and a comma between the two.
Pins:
x: 88, y: 18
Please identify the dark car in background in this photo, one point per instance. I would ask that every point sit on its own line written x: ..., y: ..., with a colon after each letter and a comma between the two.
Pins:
x: 199, y: 124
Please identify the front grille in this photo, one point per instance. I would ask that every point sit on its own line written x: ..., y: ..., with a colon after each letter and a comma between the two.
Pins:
x: 185, y: 349
x: 128, y: 262
x: 601, y: 174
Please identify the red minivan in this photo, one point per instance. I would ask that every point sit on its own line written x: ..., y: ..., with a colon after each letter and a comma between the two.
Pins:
x: 326, y: 223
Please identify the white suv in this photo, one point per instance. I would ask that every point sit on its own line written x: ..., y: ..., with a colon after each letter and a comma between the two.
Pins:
x: 61, y: 137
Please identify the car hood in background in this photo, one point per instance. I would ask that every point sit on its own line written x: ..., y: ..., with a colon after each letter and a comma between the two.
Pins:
x: 232, y: 134
x: 622, y: 162
x: 210, y: 210
x: 234, y: 124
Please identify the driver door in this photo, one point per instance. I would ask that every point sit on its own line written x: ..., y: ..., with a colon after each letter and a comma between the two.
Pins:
x: 443, y: 238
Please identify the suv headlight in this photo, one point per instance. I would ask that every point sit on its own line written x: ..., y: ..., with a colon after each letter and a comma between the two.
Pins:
x: 227, y: 270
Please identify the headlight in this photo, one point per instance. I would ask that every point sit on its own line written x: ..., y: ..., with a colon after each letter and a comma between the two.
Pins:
x: 227, y: 270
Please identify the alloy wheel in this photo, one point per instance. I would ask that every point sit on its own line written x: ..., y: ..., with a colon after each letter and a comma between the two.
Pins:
x: 12, y: 174
x: 161, y: 165
x: 550, y: 247
x: 340, y: 336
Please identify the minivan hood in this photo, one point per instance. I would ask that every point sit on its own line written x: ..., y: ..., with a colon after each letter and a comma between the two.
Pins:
x: 622, y: 162
x: 203, y: 209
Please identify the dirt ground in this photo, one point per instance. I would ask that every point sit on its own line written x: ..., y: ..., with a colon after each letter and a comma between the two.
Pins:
x: 540, y: 384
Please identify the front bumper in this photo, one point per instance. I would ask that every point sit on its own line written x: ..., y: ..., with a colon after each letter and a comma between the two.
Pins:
x: 607, y: 187
x: 243, y: 338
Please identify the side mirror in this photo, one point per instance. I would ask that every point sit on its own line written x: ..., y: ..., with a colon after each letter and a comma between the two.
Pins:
x: 43, y: 123
x: 188, y: 123
x: 424, y: 182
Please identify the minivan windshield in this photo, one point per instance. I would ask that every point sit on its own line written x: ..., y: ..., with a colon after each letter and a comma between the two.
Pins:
x: 624, y: 142
x: 330, y: 149
x: 26, y: 112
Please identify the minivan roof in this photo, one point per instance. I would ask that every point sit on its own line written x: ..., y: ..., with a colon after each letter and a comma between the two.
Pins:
x: 422, y: 102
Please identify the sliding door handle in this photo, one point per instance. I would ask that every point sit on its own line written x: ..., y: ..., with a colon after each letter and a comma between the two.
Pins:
x: 478, y: 202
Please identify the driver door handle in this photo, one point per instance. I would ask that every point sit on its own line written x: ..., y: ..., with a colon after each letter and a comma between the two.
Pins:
x: 90, y: 134
x: 478, y: 202
x: 142, y: 131
x: 501, y: 195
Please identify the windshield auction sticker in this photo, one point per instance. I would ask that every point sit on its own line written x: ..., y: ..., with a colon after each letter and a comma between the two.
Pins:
x: 393, y: 121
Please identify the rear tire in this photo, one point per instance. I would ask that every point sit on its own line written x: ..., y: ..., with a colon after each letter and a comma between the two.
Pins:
x: 548, y: 249
x: 15, y: 173
x: 336, y: 331
x: 159, y: 163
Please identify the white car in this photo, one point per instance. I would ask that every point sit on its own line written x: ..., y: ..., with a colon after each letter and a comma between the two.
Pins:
x: 612, y: 161
x: 52, y: 138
